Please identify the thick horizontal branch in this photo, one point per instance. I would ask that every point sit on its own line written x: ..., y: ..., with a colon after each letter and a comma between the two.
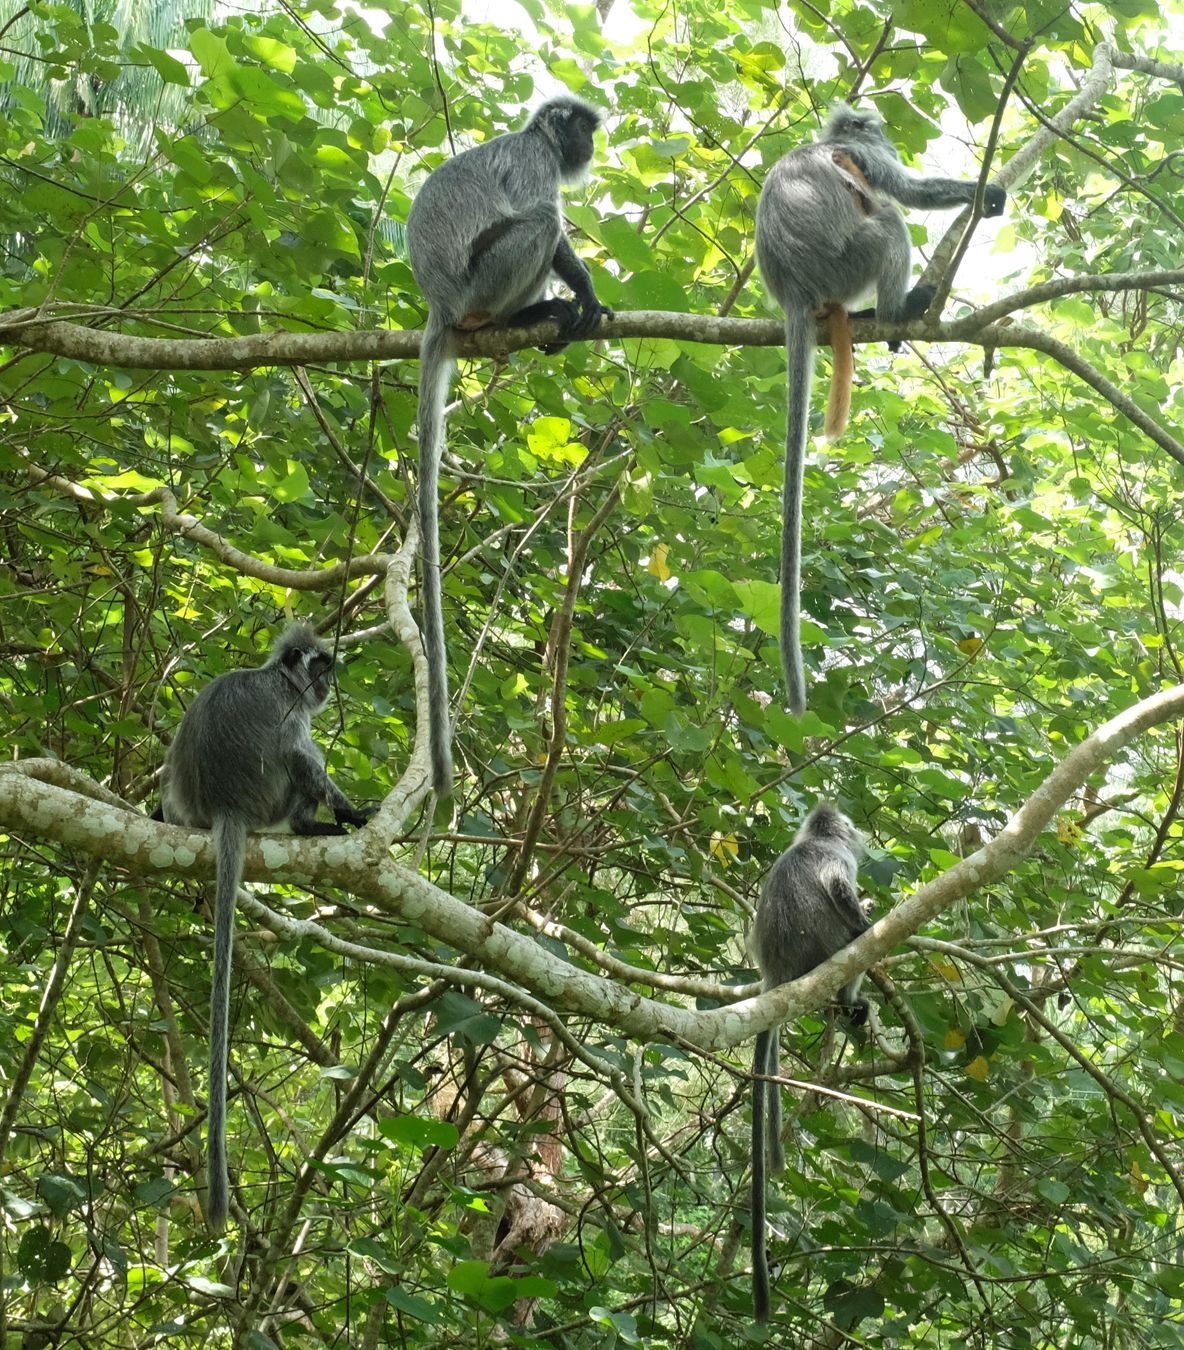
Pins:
x: 361, y: 865
x: 120, y: 350
x: 1075, y: 285
x: 103, y: 348
x: 126, y: 351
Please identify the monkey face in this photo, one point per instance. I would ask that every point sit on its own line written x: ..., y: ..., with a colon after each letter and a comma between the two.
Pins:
x: 309, y: 667
x: 573, y: 128
x: 320, y: 676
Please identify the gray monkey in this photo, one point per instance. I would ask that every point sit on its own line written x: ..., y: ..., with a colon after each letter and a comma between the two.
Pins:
x: 485, y: 234
x: 827, y: 233
x: 244, y: 759
x: 809, y: 909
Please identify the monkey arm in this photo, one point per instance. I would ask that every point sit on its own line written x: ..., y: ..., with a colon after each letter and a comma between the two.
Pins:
x: 844, y: 900
x: 573, y: 271
x: 912, y: 189
x: 309, y: 777
x: 578, y: 318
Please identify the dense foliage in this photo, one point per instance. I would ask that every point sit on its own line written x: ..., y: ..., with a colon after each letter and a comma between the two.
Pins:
x: 425, y: 1153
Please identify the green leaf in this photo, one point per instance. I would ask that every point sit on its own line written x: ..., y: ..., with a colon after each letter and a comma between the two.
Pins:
x: 294, y: 486
x: 420, y: 1133
x: 61, y: 1194
x: 41, y: 1259
x: 211, y: 53
x: 412, y: 1305
x: 167, y: 67
x: 278, y: 55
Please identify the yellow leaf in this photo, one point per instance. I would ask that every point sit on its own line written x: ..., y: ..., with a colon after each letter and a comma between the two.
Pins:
x: 1138, y: 1180
x: 723, y: 846
x: 955, y: 1039
x: 946, y: 969
x: 656, y: 566
x: 978, y: 1068
x: 1068, y: 831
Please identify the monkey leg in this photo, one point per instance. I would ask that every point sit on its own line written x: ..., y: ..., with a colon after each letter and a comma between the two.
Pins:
x: 576, y: 319
x: 565, y: 313
x: 480, y: 318
x: 895, y: 251
x: 559, y: 310
x: 309, y: 784
x: 916, y: 303
x: 309, y: 827
x: 511, y: 261
x: 895, y: 303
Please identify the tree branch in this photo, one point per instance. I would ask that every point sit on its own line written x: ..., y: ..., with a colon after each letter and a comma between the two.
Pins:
x: 361, y: 865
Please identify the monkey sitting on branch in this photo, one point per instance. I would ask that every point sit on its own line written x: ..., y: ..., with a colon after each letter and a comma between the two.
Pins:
x: 809, y: 909
x: 827, y: 233
x: 244, y: 759
x: 485, y: 235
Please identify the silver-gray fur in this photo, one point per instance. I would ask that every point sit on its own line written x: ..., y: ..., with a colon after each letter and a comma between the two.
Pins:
x: 827, y: 234
x: 485, y: 235
x: 809, y: 909
x: 244, y: 759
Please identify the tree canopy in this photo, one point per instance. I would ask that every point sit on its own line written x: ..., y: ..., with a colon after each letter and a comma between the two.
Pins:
x: 490, y: 1065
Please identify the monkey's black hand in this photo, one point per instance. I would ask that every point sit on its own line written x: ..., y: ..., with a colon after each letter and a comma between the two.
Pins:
x: 918, y: 301
x: 587, y: 320
x: 158, y: 814
x: 994, y: 199
x: 356, y: 815
x: 578, y: 319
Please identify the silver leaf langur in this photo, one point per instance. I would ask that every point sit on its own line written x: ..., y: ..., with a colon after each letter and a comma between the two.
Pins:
x: 809, y: 909
x: 828, y: 232
x: 485, y: 235
x: 244, y: 759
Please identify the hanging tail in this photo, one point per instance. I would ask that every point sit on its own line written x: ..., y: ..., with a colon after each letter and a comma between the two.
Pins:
x: 799, y: 354
x: 760, y: 1262
x: 230, y: 842
x: 435, y: 372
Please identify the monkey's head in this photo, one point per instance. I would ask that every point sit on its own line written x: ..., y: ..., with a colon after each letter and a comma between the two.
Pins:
x: 306, y: 663
x: 828, y: 822
x: 569, y: 124
x: 847, y: 126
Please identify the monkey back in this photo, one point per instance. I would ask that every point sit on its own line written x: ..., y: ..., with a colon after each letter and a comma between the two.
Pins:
x: 812, y: 231
x: 809, y: 905
x: 229, y: 756
x: 468, y: 196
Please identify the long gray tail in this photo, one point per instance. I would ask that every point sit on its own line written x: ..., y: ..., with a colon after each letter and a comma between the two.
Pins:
x: 230, y: 841
x: 760, y: 1263
x: 435, y: 371
x: 799, y: 355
